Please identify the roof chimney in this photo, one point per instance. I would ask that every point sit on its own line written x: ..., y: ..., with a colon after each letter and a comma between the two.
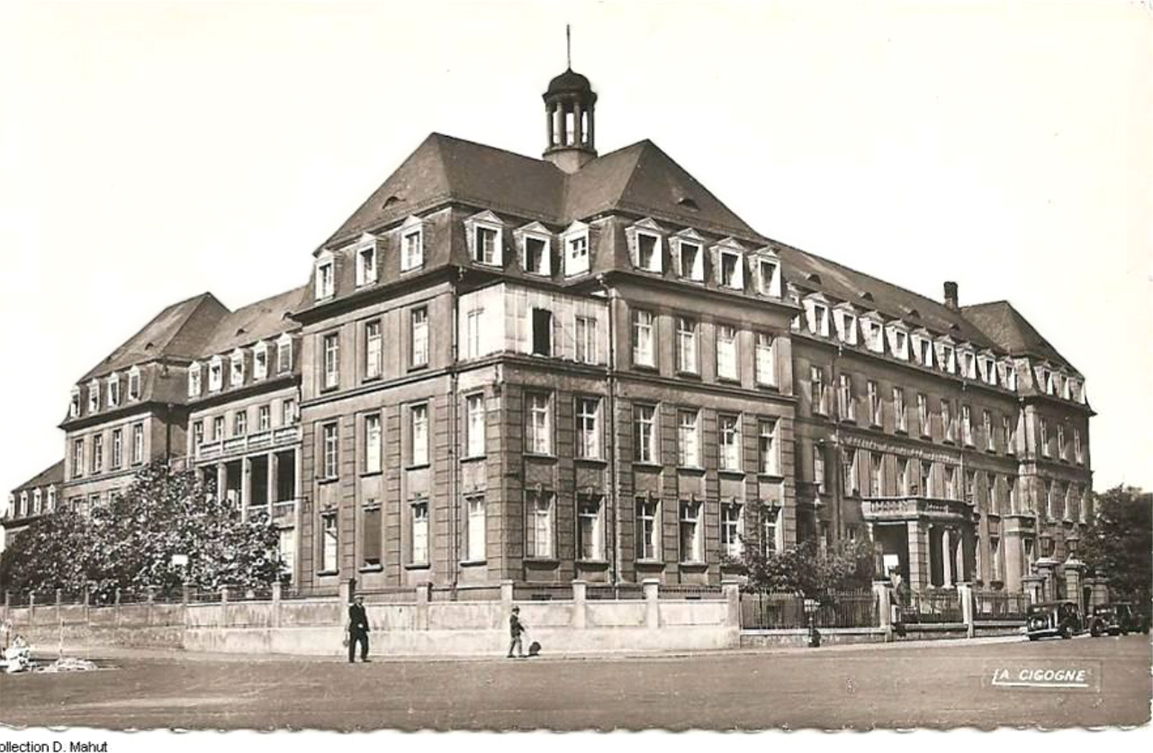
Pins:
x: 951, y: 296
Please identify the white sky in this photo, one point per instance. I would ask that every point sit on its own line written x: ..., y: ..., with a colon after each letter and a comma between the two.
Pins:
x: 150, y: 153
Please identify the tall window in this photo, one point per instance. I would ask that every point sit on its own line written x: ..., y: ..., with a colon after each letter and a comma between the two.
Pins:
x: 472, y: 327
x: 727, y: 352
x: 476, y: 528
x: 540, y: 511
x: 539, y: 423
x: 987, y: 427
x: 690, y: 528
x: 967, y: 425
x: 590, y: 527
x: 420, y: 532
x: 474, y: 425
x: 419, y: 330
x: 218, y: 428
x: 877, y: 459
x: 766, y: 372
x: 287, y: 411
x: 947, y: 418
x: 690, y: 261
x: 731, y: 272
x: 366, y: 264
x: 541, y: 332
x: 113, y: 391
x: 331, y: 347
x: 264, y: 418
x: 1060, y: 442
x: 1078, y: 455
x: 686, y: 345
x: 137, y: 444
x: 899, y: 409
x: 769, y: 531
x: 644, y: 420
x: 284, y: 354
x: 118, y: 445
x: 730, y: 438
x: 373, y: 350
x: 817, y: 390
x: 331, y: 451
x: 486, y: 245
x: 197, y: 434
x: 372, y: 443
x: 325, y: 280
x: 923, y: 414
x: 240, y: 423
x: 903, y: 477
x: 644, y: 353
x: 98, y: 453
x: 1044, y: 431
x: 412, y: 250
x: 874, y: 396
x: 649, y: 252
x: 260, y: 361
x: 766, y: 446
x: 536, y: 255
x: 134, y: 383
x: 688, y: 440
x: 850, y: 468
x: 926, y: 479
x: 588, y: 429
x: 418, y: 416
x: 848, y: 406
x: 371, y: 534
x: 995, y: 557
x: 330, y: 542
x: 731, y: 528
x: 819, y: 468
x: 586, y: 339
x: 648, y: 529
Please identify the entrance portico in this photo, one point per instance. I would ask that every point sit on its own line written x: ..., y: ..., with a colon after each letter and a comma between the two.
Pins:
x: 930, y: 542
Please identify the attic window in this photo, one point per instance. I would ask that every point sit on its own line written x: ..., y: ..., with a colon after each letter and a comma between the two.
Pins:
x: 955, y: 327
x: 866, y: 295
x: 148, y: 346
x: 239, y: 331
x: 913, y: 312
x: 391, y: 201
x: 687, y: 203
x: 814, y: 277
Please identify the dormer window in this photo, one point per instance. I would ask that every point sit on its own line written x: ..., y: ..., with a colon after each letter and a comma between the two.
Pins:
x: 325, y: 276
x: 1009, y: 375
x: 873, y: 330
x: 51, y: 498
x: 74, y: 403
x: 968, y: 364
x: 194, y: 379
x: 768, y: 274
x: 411, y: 244
x: 215, y: 374
x: 923, y: 348
x: 987, y: 369
x: 644, y: 239
x: 134, y: 383
x: 1075, y: 391
x: 260, y: 361
x: 947, y: 357
x: 236, y: 375
x: 898, y: 341
x: 576, y: 249
x: 284, y: 354
x: 688, y: 255
x: 113, y: 390
x: 846, y: 322
x: 366, y: 265
x: 93, y: 396
x: 731, y: 270
x: 485, y: 233
x: 535, y: 244
x: 818, y: 317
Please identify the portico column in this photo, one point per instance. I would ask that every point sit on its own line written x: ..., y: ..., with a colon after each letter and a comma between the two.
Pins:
x: 245, y: 486
x: 550, y: 122
x: 917, y: 536
x: 577, y: 130
x: 947, y: 556
x: 221, y: 481
x: 271, y: 488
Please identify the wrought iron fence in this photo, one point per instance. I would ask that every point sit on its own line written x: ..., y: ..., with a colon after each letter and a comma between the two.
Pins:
x: 688, y: 591
x: 931, y: 607
x: 614, y: 592
x: 783, y: 610
x: 999, y: 605
x: 542, y: 592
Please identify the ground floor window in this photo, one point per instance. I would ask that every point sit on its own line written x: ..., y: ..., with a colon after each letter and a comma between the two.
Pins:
x: 769, y: 531
x: 371, y: 533
x: 648, y: 529
x: 476, y: 528
x: 540, y: 510
x: 690, y: 525
x: 420, y: 532
x: 287, y: 550
x: 731, y: 520
x: 590, y: 527
x: 329, y: 542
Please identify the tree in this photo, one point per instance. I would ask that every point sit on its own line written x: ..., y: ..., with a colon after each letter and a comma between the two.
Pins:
x: 130, y: 542
x: 1119, y: 543
x: 802, y: 568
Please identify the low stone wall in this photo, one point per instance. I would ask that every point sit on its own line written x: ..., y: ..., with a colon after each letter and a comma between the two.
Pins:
x: 418, y: 627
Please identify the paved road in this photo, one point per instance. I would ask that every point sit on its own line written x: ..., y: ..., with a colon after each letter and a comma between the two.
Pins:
x: 892, y: 686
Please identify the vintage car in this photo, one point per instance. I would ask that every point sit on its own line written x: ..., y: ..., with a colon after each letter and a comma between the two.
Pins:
x: 1054, y: 618
x: 1116, y: 619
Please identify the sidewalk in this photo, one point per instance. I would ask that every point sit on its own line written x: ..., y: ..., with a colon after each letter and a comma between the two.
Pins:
x: 147, y: 654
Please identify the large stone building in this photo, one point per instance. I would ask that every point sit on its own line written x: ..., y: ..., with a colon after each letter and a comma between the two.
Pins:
x: 587, y: 367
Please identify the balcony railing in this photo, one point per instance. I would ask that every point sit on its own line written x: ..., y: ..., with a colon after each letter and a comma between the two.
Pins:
x: 911, y: 507
x: 259, y: 440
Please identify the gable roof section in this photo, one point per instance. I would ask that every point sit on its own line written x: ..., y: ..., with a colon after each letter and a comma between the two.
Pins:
x: 175, y: 331
x: 848, y: 284
x: 53, y: 474
x: 640, y: 178
x: 1005, y: 326
x: 257, y: 321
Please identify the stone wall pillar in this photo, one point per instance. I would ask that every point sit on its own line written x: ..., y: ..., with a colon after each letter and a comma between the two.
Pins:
x: 883, y: 592
x: 423, y: 597
x: 732, y: 592
x: 965, y: 596
x: 579, y: 592
x: 276, y: 594
x: 1047, y: 569
x: 1074, y: 569
x: 652, y: 605
x: 918, y: 537
x: 1031, y: 584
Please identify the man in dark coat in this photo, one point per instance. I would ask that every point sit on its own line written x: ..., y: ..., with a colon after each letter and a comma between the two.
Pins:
x: 515, y: 628
x: 357, y: 630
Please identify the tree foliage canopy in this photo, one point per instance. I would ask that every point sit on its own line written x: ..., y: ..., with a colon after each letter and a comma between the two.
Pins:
x: 1119, y: 542
x: 129, y: 543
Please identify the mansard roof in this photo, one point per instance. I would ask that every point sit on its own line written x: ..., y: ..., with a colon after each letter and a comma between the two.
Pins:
x: 640, y: 178
x: 1005, y: 326
x: 53, y: 474
x: 262, y: 320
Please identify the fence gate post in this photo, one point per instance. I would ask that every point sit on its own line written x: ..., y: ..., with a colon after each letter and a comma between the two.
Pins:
x: 732, y: 592
x: 882, y: 591
x: 423, y: 596
x: 116, y: 606
x: 579, y: 592
x: 652, y: 606
x: 31, y: 608
x: 224, y: 606
x: 276, y: 604
x: 965, y: 594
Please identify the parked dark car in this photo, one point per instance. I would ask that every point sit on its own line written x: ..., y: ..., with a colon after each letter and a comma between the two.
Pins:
x: 1054, y: 618
x: 1116, y: 619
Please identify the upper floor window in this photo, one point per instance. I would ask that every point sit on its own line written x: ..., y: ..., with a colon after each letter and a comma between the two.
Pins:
x: 688, y: 439
x: 215, y: 374
x: 260, y: 361
x: 768, y: 269
x: 284, y: 354
x: 539, y: 429
x: 411, y: 244
x: 287, y: 411
x: 485, y: 234
x: 372, y: 443
x: 134, y: 383
x: 264, y: 418
x: 366, y: 260
x: 873, y: 331
x: 113, y: 390
x: 986, y: 369
x: 688, y: 255
x: 1044, y: 432
x: 93, y: 396
x: 644, y: 240
x: 1078, y: 455
x: 817, y: 390
x: 730, y: 264
x: 541, y: 332
x: 765, y: 367
x: 819, y: 319
x: 968, y: 364
x: 98, y: 453
x: 874, y: 396
x: 947, y: 357
x: 330, y: 346
x: 924, y: 349
x: 1061, y: 442
x: 767, y: 447
x: 118, y: 447
x: 51, y: 498
x: 588, y: 428
x: 330, y: 451
x: 899, y: 343
x: 967, y: 425
x: 77, y: 457
x: 474, y: 426
x: 373, y: 349
x: 947, y: 418
x: 644, y: 340
x: 137, y: 444
x: 240, y: 423
x: 325, y: 276
x: 644, y: 419
x: 194, y: 375
x: 686, y: 345
x: 987, y: 427
x: 902, y: 416
x: 730, y: 442
x: 576, y: 249
x: 418, y: 417
x: 74, y: 403
x: 848, y: 402
x: 1007, y: 434
x: 535, y: 243
x: 236, y: 376
x: 923, y: 414
x: 727, y: 352
x: 586, y: 339
x: 690, y: 530
x: 418, y: 353
x: 473, y: 323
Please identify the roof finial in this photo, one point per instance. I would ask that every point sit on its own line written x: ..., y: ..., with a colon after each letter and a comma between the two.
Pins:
x: 568, y: 44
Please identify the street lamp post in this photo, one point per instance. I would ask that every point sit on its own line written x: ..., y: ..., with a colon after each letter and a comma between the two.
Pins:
x: 811, y: 610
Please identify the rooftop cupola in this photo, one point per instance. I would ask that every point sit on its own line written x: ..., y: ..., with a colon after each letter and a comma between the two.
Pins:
x: 569, y: 106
